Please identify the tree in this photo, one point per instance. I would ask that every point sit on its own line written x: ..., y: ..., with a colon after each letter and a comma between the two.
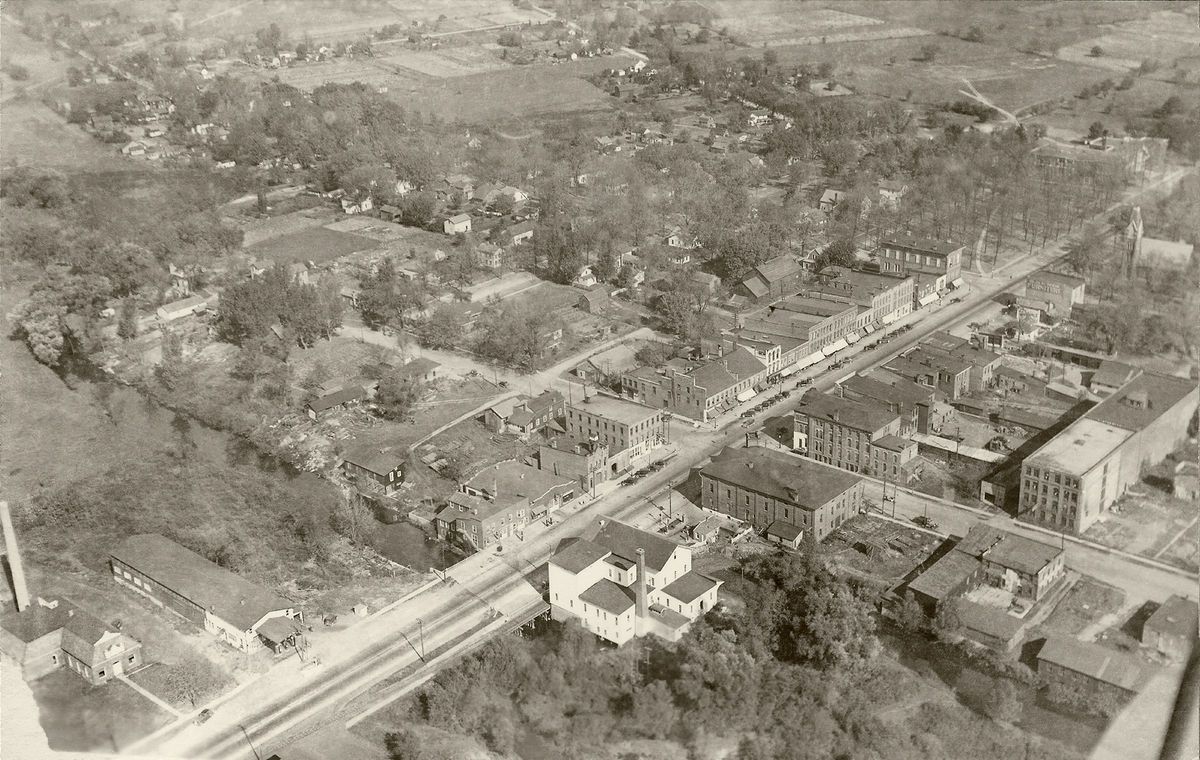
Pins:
x: 352, y: 518
x: 910, y: 617
x: 1096, y: 51
x: 653, y: 354
x: 441, y: 330
x: 928, y: 53
x: 397, y: 395
x: 270, y: 38
x: 1096, y: 130
x: 127, y: 325
x: 1004, y: 702
x: 191, y: 680
x: 674, y: 307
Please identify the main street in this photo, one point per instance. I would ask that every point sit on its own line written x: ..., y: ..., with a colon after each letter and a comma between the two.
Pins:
x: 267, y: 712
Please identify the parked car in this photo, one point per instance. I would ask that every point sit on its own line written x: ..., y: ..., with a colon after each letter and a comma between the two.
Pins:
x: 203, y: 717
x: 925, y: 522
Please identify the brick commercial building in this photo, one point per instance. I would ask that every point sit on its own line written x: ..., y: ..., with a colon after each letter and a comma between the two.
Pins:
x: 988, y: 556
x: 915, y: 403
x: 763, y: 486
x: 699, y: 390
x: 1077, y: 475
x: 821, y: 322
x: 858, y: 436
x: 625, y: 582
x: 1063, y: 291
x: 948, y: 374
x: 586, y: 461
x: 240, y: 613
x: 1088, y: 670
x: 629, y: 430
x: 886, y: 298
x: 983, y: 363
x: 908, y: 254
x: 499, y: 502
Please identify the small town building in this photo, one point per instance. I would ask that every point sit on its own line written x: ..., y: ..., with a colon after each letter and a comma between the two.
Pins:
x: 376, y: 470
x: 54, y: 633
x: 630, y: 431
x: 320, y: 406
x: 784, y: 534
x: 909, y: 254
x: 1072, y: 479
x: 1088, y: 670
x: 1111, y: 376
x: 1061, y: 290
x: 1172, y: 629
x: 499, y: 501
x: 240, y: 613
x: 915, y: 403
x: 763, y: 486
x: 859, y: 436
x: 186, y: 307
x: 524, y: 414
x: 624, y: 582
x: 459, y: 223
x: 775, y: 278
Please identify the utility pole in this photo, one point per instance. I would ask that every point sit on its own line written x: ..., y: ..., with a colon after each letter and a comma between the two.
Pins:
x: 252, y: 747
x: 421, y: 627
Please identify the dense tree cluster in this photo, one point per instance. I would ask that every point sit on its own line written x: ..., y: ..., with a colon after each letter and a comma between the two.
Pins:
x: 251, y: 308
x: 793, y: 675
x: 515, y: 334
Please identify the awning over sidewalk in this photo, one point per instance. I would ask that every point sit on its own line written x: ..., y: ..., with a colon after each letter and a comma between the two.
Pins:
x: 868, y: 329
x: 852, y: 338
x: 746, y: 395
x: 927, y: 299
x: 958, y: 282
x: 810, y: 360
x: 888, y: 319
x: 835, y: 346
x: 789, y: 370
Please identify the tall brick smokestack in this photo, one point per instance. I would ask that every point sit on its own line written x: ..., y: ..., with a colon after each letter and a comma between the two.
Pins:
x: 642, y: 606
x: 13, y: 552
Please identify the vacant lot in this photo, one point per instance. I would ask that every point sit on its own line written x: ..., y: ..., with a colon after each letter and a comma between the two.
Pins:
x: 516, y: 92
x: 1164, y: 36
x: 315, y: 244
x: 888, y: 68
x: 877, y: 549
x: 1085, y: 603
x: 770, y: 23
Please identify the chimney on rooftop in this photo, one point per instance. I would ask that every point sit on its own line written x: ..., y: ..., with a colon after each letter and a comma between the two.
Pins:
x: 13, y: 553
x: 641, y: 583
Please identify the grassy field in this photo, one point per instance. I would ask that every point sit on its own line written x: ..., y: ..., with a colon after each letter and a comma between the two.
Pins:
x: 315, y: 244
x: 33, y: 134
x: 515, y: 93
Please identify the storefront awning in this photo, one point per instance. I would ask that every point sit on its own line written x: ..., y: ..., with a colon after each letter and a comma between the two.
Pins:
x: 852, y: 338
x: 927, y: 299
x: 746, y: 395
x: 835, y: 346
x: 789, y: 370
x: 868, y: 329
x: 888, y: 319
x: 958, y: 282
x: 811, y: 359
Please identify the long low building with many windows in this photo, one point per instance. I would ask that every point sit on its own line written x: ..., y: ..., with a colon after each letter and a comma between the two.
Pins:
x: 763, y: 486
x: 239, y: 612
x: 1078, y: 475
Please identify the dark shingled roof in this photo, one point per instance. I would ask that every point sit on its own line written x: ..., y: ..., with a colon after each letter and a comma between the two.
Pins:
x: 859, y: 415
x: 1177, y: 616
x: 1092, y: 660
x: 624, y: 541
x: 608, y: 596
x: 793, y: 479
x: 778, y: 268
x: 229, y: 596
x: 86, y: 638
x: 579, y: 555
x: 784, y: 530
x: 896, y: 391
x: 690, y: 586
x: 332, y: 400
x: 943, y: 577
x: 1007, y: 549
